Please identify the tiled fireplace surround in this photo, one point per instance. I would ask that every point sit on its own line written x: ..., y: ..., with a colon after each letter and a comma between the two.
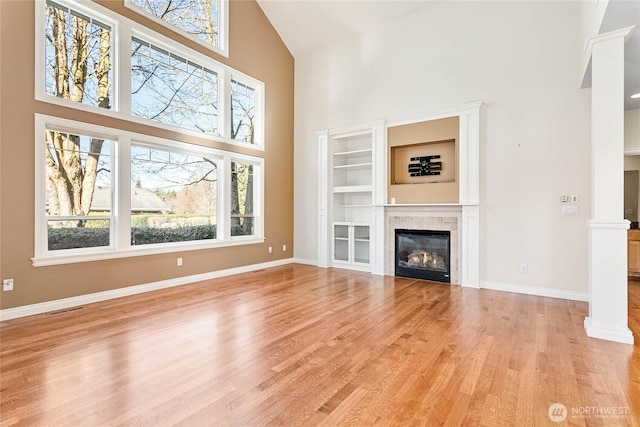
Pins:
x: 416, y: 217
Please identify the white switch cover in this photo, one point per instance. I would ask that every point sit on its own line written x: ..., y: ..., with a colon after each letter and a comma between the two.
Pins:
x: 569, y: 210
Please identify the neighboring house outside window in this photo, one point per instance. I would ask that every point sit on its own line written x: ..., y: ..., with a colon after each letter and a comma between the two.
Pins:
x: 104, y: 192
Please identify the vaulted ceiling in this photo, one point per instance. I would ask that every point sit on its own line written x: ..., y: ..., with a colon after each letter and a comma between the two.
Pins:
x: 307, y: 25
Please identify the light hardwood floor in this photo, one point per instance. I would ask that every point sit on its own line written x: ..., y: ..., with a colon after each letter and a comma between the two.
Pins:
x: 301, y: 346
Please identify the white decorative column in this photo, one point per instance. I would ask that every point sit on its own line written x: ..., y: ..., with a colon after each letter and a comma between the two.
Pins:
x: 470, y: 195
x: 324, y: 226
x: 470, y: 250
x: 379, y: 196
x: 608, y: 229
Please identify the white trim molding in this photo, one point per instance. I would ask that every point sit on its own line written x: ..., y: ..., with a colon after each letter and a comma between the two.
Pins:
x: 611, y: 35
x: 61, y: 304
x: 604, y: 332
x: 535, y: 291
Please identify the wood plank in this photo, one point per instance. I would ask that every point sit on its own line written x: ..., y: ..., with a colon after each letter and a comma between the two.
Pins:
x: 297, y: 345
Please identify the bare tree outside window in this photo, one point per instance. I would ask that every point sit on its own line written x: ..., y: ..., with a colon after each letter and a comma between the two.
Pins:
x: 173, y: 197
x: 76, y: 166
x: 243, y: 107
x: 197, y: 17
x: 78, y: 68
x: 242, y: 215
x: 170, y: 89
x: 77, y: 57
x: 165, y: 87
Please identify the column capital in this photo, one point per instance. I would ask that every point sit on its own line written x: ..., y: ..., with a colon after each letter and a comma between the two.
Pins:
x: 611, y: 35
x: 608, y: 224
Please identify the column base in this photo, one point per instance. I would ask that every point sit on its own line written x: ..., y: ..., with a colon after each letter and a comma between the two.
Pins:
x: 616, y: 335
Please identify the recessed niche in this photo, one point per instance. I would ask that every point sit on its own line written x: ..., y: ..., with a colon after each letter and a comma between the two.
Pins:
x: 431, y: 148
x: 428, y: 162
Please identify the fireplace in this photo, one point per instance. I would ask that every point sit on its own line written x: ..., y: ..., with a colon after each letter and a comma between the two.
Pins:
x: 423, y: 254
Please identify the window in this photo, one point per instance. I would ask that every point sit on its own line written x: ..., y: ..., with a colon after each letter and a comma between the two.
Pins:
x: 127, y: 194
x: 172, y: 90
x: 91, y: 58
x: 203, y: 20
x: 243, y: 106
x: 242, y: 199
x: 77, y: 57
x: 174, y: 196
x: 106, y: 192
x: 78, y: 206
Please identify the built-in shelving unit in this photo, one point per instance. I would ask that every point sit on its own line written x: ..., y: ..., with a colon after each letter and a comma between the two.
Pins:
x: 346, y: 196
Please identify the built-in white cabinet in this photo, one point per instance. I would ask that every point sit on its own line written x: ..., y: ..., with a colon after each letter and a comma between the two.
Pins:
x: 352, y: 244
x: 348, y: 184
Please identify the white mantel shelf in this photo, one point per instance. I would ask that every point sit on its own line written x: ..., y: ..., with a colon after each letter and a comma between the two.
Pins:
x: 421, y: 205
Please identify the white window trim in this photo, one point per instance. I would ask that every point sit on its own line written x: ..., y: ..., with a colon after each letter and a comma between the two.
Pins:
x: 120, y: 243
x: 223, y: 26
x: 258, y: 194
x: 122, y: 31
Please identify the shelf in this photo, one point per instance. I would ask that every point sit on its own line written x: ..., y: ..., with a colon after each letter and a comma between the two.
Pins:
x: 353, y: 189
x: 355, y: 166
x: 354, y: 152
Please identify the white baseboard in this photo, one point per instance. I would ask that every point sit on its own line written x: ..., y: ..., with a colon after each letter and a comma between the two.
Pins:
x: 532, y: 290
x: 624, y: 336
x: 61, y: 304
x: 313, y: 262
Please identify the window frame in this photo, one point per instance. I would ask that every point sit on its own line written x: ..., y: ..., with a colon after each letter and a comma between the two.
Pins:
x: 123, y: 29
x: 258, y: 195
x: 223, y: 26
x: 191, y: 150
x: 121, y: 247
x: 41, y: 200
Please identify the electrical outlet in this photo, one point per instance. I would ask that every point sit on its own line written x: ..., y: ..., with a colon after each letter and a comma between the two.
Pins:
x: 179, y: 262
x: 284, y: 248
x: 7, y: 285
x: 524, y: 268
x: 270, y: 249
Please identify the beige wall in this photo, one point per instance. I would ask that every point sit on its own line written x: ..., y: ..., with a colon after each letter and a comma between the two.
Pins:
x: 255, y: 49
x: 416, y: 135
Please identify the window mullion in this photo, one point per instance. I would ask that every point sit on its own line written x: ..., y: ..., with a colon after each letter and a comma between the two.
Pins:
x: 224, y: 208
x: 123, y: 68
x: 258, y: 198
x: 224, y: 103
x: 122, y: 193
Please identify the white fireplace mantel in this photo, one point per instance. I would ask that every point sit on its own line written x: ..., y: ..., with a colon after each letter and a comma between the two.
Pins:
x: 462, y: 218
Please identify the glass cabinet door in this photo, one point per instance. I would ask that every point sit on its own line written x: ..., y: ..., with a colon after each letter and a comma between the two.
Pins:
x: 341, y: 243
x: 361, y: 248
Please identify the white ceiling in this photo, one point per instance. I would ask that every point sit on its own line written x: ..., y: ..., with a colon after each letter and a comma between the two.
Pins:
x: 307, y: 25
x: 621, y: 14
